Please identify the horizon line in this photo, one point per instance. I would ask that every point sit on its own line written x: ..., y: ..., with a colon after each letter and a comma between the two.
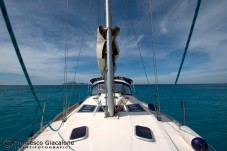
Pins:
x: 134, y: 84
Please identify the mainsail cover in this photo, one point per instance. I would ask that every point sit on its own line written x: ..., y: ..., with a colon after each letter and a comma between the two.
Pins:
x: 101, y: 48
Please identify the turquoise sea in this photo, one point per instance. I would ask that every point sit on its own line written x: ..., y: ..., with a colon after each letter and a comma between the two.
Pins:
x: 206, y: 109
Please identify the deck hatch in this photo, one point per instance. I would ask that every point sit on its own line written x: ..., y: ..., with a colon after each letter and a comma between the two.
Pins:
x: 144, y: 133
x: 87, y: 108
x: 79, y: 133
x: 135, y: 108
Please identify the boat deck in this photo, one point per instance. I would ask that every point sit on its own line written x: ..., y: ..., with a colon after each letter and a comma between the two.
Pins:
x: 112, y: 133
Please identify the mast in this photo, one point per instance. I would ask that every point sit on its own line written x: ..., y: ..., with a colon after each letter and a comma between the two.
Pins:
x: 110, y: 75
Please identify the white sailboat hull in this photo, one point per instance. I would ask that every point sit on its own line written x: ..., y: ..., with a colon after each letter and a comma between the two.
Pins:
x: 114, y: 133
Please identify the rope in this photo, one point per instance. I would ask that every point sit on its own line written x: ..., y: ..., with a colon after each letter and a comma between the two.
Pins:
x: 154, y: 55
x: 185, y: 50
x: 17, y: 50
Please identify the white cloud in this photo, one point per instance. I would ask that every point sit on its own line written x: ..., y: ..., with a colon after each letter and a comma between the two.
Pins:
x: 40, y: 35
x: 163, y: 26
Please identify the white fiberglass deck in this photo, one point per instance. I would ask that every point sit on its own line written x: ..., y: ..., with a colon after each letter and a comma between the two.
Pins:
x: 114, y: 133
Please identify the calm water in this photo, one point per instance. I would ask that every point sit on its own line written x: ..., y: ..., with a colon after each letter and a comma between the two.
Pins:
x: 206, y: 109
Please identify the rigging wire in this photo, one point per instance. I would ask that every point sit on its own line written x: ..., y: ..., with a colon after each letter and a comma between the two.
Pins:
x: 111, y: 14
x: 82, y: 41
x: 137, y: 43
x: 81, y: 46
x: 17, y: 50
x: 33, y: 124
x: 101, y: 8
x: 104, y: 11
x: 98, y: 12
x: 22, y: 130
x: 141, y: 57
x: 65, y: 100
x: 18, y: 113
x: 154, y: 55
x: 185, y: 51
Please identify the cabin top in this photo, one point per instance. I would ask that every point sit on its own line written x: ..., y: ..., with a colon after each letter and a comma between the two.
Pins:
x: 121, y: 85
x: 116, y: 78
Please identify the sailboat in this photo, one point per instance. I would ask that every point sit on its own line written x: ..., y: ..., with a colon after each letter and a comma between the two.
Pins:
x: 112, y: 118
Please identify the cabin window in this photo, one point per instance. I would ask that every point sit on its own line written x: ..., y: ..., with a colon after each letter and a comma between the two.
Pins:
x: 119, y: 88
x: 144, y: 133
x: 122, y: 88
x: 98, y: 88
x: 87, y: 108
x: 79, y: 133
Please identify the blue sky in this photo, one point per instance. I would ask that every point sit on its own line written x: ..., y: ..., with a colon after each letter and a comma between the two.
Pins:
x: 39, y: 27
